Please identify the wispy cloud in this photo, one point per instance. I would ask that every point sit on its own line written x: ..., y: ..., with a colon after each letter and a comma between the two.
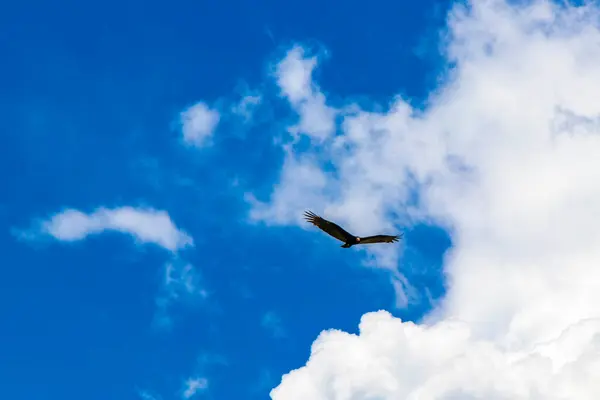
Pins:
x: 146, y: 395
x: 199, y: 380
x: 194, y: 386
x: 247, y: 106
x: 198, y: 123
x: 183, y: 279
x: 182, y: 283
x: 146, y: 225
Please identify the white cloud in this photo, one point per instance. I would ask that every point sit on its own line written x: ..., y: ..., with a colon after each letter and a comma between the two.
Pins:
x: 193, y: 386
x: 182, y: 283
x: 183, y: 280
x: 198, y: 123
x: 247, y: 106
x: 391, y: 359
x: 506, y: 156
x: 146, y: 225
x: 146, y: 395
x: 294, y: 78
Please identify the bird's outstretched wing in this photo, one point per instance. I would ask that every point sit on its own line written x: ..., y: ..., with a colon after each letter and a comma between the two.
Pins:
x: 327, y: 226
x: 380, y: 239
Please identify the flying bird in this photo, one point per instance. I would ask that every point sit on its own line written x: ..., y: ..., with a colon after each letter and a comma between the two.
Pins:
x: 339, y: 233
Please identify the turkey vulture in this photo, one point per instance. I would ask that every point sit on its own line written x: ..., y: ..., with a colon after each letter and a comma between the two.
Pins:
x: 339, y: 233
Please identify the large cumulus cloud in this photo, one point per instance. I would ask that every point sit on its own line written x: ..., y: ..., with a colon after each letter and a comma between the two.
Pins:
x: 506, y: 155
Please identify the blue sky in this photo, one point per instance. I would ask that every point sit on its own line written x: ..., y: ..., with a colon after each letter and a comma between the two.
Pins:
x: 90, y: 102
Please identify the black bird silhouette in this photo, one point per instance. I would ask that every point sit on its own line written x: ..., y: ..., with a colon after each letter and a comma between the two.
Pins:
x: 339, y: 233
